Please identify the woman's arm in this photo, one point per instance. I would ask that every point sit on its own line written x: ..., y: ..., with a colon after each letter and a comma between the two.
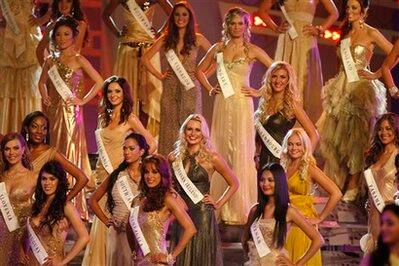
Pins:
x: 206, y: 45
x: 95, y: 198
x: 332, y: 17
x: 81, y: 178
x: 330, y: 187
x: 206, y: 63
x: 307, y: 124
x: 390, y: 61
x: 42, y: 83
x: 317, y: 240
x: 246, y: 231
x: 145, y: 59
x: 108, y: 21
x: 224, y: 170
x: 263, y: 12
x: 260, y: 55
x: 81, y: 36
x: 138, y: 127
x: 82, y: 235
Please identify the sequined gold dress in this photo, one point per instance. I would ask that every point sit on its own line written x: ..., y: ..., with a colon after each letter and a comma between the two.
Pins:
x: 154, y: 230
x: 19, y: 69
x: 20, y: 200
x: 266, y: 226
x: 96, y: 250
x: 350, y: 111
x: 118, y: 249
x: 297, y: 243
x: 177, y: 103
x: 233, y: 134
x: 303, y: 54
x: 385, y: 180
x: 52, y: 241
x: 67, y: 131
x: 42, y: 159
x: 146, y: 89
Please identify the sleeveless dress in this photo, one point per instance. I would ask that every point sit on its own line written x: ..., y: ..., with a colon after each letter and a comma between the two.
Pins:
x: 146, y: 89
x: 303, y: 55
x: 385, y: 180
x: 67, y: 131
x: 297, y: 243
x: 42, y: 159
x: 266, y: 226
x: 20, y: 201
x: 19, y: 69
x: 177, y: 103
x: 52, y: 241
x: 233, y: 135
x: 96, y: 250
x: 204, y: 249
x: 277, y: 125
x: 154, y: 230
x: 118, y: 249
x: 350, y: 111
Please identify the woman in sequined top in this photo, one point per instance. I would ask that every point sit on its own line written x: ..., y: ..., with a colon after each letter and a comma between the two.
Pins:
x: 158, y: 205
x: 51, y: 216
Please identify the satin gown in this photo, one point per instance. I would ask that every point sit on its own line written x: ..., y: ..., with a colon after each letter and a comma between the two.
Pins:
x: 96, y: 250
x: 204, y: 249
x: 266, y: 226
x: 350, y: 111
x: 177, y: 103
x: 303, y: 55
x: 233, y: 135
x: 42, y: 159
x: 67, y: 131
x: 297, y: 243
x: 19, y: 68
x: 146, y: 89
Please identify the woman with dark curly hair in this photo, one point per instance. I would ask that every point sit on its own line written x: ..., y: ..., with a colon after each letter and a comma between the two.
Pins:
x: 50, y: 218
x: 152, y: 212
x: 17, y: 185
x: 381, y: 173
x: 35, y: 129
x: 180, y: 45
x: 386, y: 252
x: 61, y: 8
x: 121, y: 186
x: 115, y: 121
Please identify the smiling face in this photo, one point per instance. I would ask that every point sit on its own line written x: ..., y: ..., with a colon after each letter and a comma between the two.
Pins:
x: 279, y: 80
x: 237, y: 27
x: 37, y: 130
x: 13, y: 151
x: 49, y: 183
x: 115, y: 94
x: 193, y: 133
x: 131, y: 151
x: 65, y: 7
x: 152, y: 177
x: 354, y: 11
x: 389, y: 228
x: 266, y: 183
x: 295, y: 147
x: 64, y: 37
x: 181, y: 17
x: 386, y: 133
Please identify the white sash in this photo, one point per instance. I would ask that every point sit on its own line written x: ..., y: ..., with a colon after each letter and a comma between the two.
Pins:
x: 134, y: 223
x: 140, y: 16
x: 188, y: 186
x: 273, y: 146
x: 291, y: 30
x: 179, y: 69
x: 6, y: 209
x: 59, y: 84
x: 35, y: 244
x: 223, y: 78
x: 102, y: 152
x: 374, y: 192
x: 9, y: 16
x: 258, y: 239
x: 347, y: 60
x: 122, y: 184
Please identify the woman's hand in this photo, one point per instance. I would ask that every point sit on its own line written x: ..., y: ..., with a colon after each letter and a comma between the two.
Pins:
x: 250, y: 92
x: 74, y: 101
x: 215, y: 90
x: 51, y: 261
x: 367, y: 74
x: 210, y: 201
x: 46, y: 100
x: 159, y: 258
x: 110, y: 222
x: 283, y: 27
x: 312, y: 30
x: 283, y: 260
x: 167, y: 75
x: 24, y: 258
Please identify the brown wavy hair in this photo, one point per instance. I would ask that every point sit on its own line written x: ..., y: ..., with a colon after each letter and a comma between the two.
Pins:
x: 25, y: 156
x: 346, y: 27
x: 172, y: 34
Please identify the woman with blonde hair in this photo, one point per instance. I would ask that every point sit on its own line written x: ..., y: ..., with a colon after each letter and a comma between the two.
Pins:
x: 302, y: 174
x: 279, y: 109
x: 195, y: 159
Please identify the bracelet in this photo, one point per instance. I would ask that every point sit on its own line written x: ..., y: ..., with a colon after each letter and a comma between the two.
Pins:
x: 210, y: 92
x: 170, y: 259
x: 393, y: 90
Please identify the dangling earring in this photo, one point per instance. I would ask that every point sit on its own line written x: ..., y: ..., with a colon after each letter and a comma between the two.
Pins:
x: 45, y: 140
x: 361, y: 23
x: 27, y: 137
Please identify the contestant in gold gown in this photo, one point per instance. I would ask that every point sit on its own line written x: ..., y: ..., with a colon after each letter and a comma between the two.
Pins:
x: 19, y: 69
